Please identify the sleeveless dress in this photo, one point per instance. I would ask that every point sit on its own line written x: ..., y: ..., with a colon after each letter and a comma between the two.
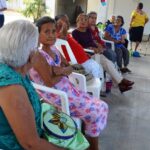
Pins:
x: 82, y: 105
x: 8, y: 76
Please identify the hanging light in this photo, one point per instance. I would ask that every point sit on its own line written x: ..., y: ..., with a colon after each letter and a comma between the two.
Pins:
x: 74, y: 1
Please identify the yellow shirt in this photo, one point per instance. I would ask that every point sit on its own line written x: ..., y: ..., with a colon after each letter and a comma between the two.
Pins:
x: 139, y: 19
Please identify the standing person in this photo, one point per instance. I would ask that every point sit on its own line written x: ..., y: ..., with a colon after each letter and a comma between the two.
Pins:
x: 2, y: 8
x: 138, y: 20
x: 92, y: 111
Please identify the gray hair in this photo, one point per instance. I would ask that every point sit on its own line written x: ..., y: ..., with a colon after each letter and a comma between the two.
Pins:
x: 17, y: 40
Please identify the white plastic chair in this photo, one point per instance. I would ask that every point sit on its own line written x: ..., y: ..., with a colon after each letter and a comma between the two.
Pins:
x: 101, y: 34
x: 93, y: 86
x: 64, y: 100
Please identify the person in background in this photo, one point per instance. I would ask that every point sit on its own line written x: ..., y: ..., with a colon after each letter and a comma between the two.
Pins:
x: 92, y: 111
x: 83, y: 35
x: 2, y: 8
x: 117, y: 34
x: 111, y: 20
x: 20, y: 107
x: 108, y: 53
x: 138, y: 20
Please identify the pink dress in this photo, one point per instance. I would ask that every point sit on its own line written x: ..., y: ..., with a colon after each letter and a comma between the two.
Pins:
x: 82, y: 105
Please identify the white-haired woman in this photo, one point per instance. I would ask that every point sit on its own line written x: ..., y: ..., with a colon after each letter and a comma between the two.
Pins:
x: 20, y: 109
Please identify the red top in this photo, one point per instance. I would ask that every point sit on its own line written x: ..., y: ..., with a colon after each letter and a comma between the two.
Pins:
x: 96, y: 37
x: 77, y: 50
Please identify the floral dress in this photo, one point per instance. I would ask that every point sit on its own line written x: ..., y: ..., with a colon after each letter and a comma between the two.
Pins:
x: 82, y: 105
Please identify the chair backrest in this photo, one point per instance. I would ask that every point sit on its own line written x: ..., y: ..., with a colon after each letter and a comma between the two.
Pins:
x: 59, y: 43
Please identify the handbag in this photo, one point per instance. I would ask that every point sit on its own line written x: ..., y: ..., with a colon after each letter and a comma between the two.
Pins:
x: 79, y: 69
x: 61, y: 130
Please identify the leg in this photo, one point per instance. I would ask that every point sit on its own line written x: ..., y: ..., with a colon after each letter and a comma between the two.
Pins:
x: 95, y: 69
x: 136, y: 45
x: 1, y: 20
x: 109, y: 67
x: 119, y: 57
x: 125, y: 56
x: 110, y: 54
x: 93, y: 143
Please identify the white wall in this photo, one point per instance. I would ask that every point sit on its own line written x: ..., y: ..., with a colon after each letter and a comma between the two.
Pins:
x: 125, y: 7
x: 95, y: 5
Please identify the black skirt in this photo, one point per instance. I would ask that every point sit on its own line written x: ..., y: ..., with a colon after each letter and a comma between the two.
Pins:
x: 136, y: 34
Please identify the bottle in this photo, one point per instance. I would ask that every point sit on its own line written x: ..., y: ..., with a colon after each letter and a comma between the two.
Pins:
x: 108, y: 83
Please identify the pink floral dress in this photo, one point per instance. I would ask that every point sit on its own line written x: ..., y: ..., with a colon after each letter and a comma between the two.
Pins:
x: 82, y: 105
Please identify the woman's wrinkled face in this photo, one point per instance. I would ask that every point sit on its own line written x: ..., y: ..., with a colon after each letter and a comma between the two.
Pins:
x: 47, y: 34
x: 92, y: 19
x: 118, y: 22
x: 82, y: 22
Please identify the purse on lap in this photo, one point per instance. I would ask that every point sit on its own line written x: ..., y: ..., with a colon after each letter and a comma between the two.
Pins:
x: 61, y: 130
x: 79, y: 69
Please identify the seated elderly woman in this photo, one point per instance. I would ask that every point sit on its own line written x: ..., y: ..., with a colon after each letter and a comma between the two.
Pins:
x: 83, y: 36
x: 20, y: 108
x: 117, y: 34
x: 108, y: 52
x: 54, y: 73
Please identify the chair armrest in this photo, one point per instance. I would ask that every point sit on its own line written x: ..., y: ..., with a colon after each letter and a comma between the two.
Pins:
x: 63, y: 96
x: 89, y: 50
x: 107, y: 41
x: 78, y: 80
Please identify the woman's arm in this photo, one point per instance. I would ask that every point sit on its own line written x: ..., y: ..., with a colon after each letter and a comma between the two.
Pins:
x: 20, y: 115
x: 46, y: 72
x: 108, y: 37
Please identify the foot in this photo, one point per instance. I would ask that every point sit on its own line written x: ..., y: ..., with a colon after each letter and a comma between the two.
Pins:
x: 124, y: 88
x: 126, y: 82
x: 136, y: 54
x: 125, y: 70
x: 128, y: 70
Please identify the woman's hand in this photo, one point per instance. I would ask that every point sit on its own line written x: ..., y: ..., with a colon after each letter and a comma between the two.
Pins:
x: 67, y: 70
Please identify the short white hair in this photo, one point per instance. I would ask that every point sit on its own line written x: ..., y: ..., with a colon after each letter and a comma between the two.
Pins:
x: 17, y: 40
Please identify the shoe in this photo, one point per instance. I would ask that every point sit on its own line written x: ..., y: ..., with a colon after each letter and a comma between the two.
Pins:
x: 124, y: 88
x: 126, y: 82
x: 123, y: 70
x: 127, y: 70
x: 136, y: 54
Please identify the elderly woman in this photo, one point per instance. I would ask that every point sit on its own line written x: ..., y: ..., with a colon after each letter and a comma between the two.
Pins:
x: 20, y: 108
x: 117, y: 34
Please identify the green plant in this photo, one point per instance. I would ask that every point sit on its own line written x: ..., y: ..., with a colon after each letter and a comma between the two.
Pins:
x: 34, y: 8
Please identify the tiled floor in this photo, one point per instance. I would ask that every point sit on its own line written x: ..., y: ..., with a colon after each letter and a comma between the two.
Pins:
x: 129, y: 118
